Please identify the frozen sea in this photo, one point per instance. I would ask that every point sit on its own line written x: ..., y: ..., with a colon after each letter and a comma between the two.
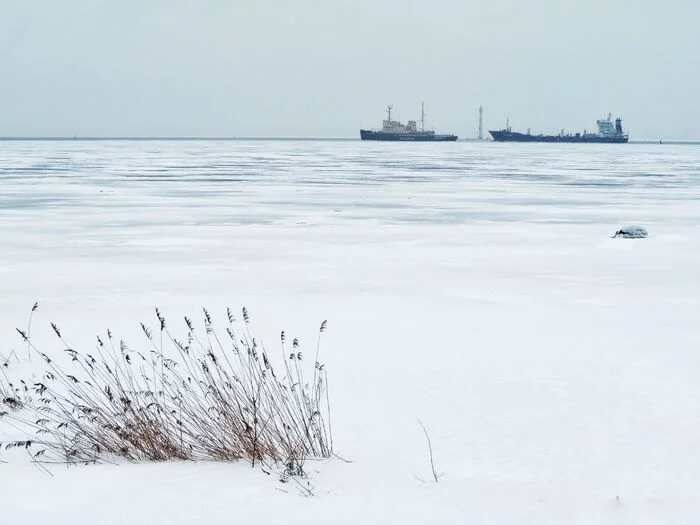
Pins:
x: 475, y: 286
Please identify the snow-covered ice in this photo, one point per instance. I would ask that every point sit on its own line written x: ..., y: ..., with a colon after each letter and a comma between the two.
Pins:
x: 473, y: 286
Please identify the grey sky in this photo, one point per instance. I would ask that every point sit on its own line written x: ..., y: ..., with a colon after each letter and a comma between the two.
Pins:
x: 327, y: 68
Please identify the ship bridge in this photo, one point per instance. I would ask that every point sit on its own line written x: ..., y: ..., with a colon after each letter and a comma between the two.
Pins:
x: 606, y: 128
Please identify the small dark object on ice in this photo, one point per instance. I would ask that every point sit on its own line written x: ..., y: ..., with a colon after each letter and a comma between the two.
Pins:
x: 631, y: 232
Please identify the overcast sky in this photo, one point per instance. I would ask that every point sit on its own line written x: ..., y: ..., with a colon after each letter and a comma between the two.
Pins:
x: 329, y: 67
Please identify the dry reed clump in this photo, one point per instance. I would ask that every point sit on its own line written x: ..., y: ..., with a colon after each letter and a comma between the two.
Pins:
x: 209, y: 398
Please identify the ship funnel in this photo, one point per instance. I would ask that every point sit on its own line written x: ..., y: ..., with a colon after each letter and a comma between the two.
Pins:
x: 618, y: 126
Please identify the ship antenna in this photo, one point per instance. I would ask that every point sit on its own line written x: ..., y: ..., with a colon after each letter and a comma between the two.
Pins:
x: 422, y: 116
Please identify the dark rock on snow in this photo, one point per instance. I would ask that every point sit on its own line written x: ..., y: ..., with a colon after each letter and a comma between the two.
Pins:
x: 631, y: 232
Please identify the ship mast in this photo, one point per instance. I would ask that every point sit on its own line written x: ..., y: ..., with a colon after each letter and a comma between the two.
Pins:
x: 388, y: 109
x: 422, y: 116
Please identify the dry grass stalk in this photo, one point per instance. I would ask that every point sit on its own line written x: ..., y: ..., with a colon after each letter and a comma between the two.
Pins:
x: 436, y: 475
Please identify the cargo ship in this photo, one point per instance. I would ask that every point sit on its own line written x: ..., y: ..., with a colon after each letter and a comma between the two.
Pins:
x: 393, y: 130
x: 607, y: 133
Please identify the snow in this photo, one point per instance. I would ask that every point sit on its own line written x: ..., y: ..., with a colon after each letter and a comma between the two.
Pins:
x: 473, y: 286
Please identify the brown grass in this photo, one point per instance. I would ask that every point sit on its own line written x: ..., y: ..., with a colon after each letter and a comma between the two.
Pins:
x: 207, y: 397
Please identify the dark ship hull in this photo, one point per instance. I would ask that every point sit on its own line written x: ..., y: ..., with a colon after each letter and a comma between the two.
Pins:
x: 513, y: 136
x: 366, y: 134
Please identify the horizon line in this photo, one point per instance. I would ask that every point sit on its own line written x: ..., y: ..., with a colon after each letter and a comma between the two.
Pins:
x: 59, y: 138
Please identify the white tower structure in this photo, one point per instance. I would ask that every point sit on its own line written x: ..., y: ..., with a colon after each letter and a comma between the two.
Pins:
x: 481, y: 123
